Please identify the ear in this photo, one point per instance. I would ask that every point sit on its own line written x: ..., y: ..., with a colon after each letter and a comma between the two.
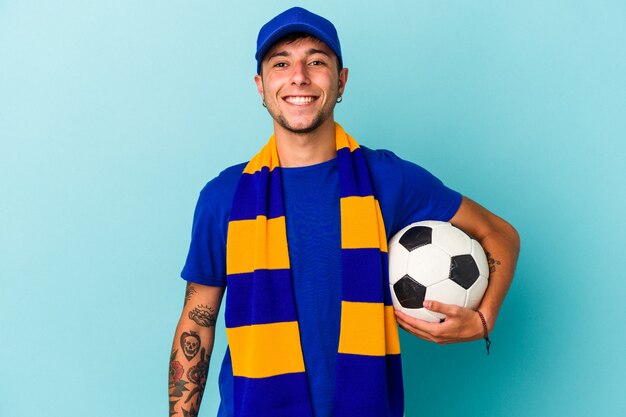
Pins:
x: 343, y: 79
x: 259, y: 84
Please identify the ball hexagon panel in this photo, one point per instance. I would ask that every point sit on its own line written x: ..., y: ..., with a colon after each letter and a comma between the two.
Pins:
x: 398, y: 262
x: 429, y: 265
x: 416, y: 237
x: 481, y: 259
x: 463, y: 270
x: 409, y: 293
x: 452, y: 240
x: 475, y: 293
x: 447, y: 292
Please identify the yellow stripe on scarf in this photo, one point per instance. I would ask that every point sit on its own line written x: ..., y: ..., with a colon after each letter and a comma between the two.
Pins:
x: 276, y: 349
x: 357, y: 228
x: 267, y: 157
x: 362, y: 331
x: 270, y: 250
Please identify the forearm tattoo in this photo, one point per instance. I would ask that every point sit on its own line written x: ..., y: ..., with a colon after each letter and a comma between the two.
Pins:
x: 189, y: 291
x: 173, y: 407
x: 177, y: 385
x: 203, y: 315
x: 192, y: 412
x: 197, y: 375
x: 492, y: 262
x: 196, y: 378
x: 190, y: 344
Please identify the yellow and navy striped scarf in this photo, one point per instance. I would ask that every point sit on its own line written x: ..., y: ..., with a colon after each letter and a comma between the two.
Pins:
x: 261, y: 321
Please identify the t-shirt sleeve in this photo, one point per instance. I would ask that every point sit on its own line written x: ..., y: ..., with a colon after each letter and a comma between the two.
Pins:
x: 206, y: 259
x: 424, y: 196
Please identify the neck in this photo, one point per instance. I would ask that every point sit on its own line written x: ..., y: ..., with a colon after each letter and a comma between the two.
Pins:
x: 304, y: 149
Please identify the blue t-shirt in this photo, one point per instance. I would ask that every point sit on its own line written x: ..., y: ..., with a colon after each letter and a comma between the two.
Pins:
x: 406, y: 192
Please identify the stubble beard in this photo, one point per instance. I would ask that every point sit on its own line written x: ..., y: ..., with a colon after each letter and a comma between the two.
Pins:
x: 322, y: 115
x: 319, y: 119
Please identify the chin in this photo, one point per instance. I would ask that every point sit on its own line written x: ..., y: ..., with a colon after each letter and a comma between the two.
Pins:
x: 300, y: 127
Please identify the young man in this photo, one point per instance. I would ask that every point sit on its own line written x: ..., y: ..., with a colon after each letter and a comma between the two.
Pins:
x: 298, y: 234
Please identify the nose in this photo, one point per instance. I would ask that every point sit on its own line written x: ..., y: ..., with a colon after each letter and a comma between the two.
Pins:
x: 300, y: 75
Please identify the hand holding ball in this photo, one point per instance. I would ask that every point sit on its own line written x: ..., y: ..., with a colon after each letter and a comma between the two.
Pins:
x: 433, y: 260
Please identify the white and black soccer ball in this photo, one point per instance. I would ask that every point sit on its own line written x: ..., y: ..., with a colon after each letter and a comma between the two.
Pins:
x: 433, y: 260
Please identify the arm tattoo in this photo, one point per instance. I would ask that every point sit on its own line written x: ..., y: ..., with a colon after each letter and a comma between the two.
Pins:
x: 190, y: 344
x: 192, y: 412
x: 492, y: 262
x: 189, y: 291
x: 203, y: 315
x: 197, y: 375
x: 172, y: 409
x: 177, y: 385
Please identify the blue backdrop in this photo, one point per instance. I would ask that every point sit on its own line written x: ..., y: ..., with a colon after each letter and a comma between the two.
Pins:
x: 113, y: 115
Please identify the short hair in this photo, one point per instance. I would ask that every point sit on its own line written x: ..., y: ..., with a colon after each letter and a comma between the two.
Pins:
x: 294, y: 36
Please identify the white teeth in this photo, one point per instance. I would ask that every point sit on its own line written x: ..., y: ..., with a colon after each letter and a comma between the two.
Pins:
x: 299, y: 100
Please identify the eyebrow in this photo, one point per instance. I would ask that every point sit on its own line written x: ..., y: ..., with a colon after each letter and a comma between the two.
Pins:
x: 310, y: 51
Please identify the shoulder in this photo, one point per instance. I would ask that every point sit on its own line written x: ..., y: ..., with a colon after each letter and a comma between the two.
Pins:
x: 385, y: 163
x: 382, y: 162
x: 381, y: 159
x: 225, y: 180
x: 218, y: 193
x: 380, y: 156
x: 408, y: 192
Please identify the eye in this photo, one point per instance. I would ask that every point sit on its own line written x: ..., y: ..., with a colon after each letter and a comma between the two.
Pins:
x: 280, y: 65
x: 317, y: 63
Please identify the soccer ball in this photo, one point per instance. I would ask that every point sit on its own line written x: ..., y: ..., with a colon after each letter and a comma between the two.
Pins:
x: 433, y: 260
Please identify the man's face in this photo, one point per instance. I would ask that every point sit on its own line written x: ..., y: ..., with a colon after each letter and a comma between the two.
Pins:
x: 300, y: 84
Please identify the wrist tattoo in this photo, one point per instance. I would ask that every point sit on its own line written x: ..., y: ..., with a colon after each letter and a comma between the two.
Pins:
x: 203, y: 315
x: 492, y: 262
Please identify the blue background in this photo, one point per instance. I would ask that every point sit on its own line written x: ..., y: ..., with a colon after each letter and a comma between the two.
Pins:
x: 114, y: 114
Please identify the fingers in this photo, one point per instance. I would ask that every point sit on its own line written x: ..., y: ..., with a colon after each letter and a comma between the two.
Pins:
x: 443, y: 308
x: 420, y: 328
x: 417, y: 324
x: 461, y: 324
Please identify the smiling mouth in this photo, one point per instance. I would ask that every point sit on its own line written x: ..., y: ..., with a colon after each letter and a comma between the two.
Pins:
x: 300, y: 100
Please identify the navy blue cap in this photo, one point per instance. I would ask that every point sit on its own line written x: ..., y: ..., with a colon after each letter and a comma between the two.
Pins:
x: 294, y: 20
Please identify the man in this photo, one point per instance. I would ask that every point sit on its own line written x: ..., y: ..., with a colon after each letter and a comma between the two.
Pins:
x: 292, y: 230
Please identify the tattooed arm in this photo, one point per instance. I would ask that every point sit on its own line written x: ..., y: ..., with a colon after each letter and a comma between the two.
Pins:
x: 501, y: 243
x: 192, y: 348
